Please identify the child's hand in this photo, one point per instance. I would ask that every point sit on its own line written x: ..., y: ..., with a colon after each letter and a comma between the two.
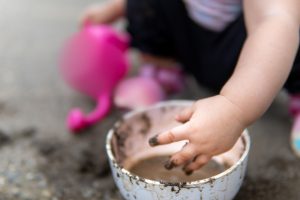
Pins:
x: 212, y: 126
x: 104, y: 13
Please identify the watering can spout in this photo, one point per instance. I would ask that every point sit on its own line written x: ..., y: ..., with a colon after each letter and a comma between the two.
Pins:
x: 77, y: 121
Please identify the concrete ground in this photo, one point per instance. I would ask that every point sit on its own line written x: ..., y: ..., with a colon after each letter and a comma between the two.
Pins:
x: 40, y: 160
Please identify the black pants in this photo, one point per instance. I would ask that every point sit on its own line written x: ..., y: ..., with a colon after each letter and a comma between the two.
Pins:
x: 163, y: 28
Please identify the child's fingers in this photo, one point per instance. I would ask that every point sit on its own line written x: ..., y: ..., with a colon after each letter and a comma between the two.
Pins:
x: 197, y: 163
x: 174, y: 135
x: 187, y: 153
x: 185, y: 115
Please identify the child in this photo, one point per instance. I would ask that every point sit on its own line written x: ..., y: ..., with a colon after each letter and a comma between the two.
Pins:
x: 246, y: 50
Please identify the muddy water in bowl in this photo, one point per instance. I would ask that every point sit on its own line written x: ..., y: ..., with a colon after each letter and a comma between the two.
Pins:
x: 138, y: 168
x: 153, y: 168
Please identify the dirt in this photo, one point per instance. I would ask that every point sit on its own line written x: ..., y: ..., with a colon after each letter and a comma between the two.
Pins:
x: 85, y: 165
x: 261, y: 188
x: 9, y: 137
x: 4, y: 139
x: 147, y: 123
x: 280, y: 181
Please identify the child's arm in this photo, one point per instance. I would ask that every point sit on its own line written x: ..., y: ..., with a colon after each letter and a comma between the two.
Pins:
x: 267, y: 55
x: 213, y: 125
x: 107, y: 12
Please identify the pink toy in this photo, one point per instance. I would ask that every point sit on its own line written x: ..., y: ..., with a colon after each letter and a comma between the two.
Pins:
x: 93, y: 62
x: 170, y: 78
x: 153, y: 84
x: 138, y: 92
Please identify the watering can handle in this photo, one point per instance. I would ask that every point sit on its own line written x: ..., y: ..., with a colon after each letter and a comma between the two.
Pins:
x: 121, y: 40
x: 77, y: 121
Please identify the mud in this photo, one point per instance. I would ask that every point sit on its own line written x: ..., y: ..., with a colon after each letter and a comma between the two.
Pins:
x: 4, y: 138
x: 153, y: 168
x: 9, y: 137
x: 84, y: 160
x: 25, y: 133
x: 74, y: 165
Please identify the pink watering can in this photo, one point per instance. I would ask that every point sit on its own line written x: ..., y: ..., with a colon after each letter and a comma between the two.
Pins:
x: 93, y: 62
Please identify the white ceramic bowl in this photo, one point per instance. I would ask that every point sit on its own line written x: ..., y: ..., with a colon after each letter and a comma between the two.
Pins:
x: 128, y: 142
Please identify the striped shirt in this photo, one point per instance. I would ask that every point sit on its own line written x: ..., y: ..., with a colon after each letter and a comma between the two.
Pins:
x: 214, y: 14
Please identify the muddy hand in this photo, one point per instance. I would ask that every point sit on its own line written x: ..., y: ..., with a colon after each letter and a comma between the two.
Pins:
x: 212, y: 126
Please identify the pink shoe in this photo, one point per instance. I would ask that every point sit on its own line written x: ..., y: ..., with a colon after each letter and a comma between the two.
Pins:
x: 170, y: 78
x: 138, y: 92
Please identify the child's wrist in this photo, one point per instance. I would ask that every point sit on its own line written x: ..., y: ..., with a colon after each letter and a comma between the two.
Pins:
x: 237, y: 111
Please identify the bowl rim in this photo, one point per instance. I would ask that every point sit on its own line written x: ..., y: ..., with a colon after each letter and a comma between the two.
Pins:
x: 112, y: 159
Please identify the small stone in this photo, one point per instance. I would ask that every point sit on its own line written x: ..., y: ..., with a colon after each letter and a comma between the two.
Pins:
x: 46, y: 193
x: 30, y: 176
x: 2, y: 181
x: 25, y: 195
x: 39, y: 177
x: 42, y: 184
x: 12, y: 177
x: 87, y: 193
x: 96, y: 184
x: 11, y: 167
x: 15, y: 191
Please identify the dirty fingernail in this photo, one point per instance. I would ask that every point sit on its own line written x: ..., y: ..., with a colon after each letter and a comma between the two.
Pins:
x: 188, y: 172
x: 169, y: 165
x: 185, y: 145
x: 153, y: 141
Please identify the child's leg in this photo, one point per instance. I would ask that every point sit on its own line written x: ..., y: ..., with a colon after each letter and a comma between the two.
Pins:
x: 148, y: 32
